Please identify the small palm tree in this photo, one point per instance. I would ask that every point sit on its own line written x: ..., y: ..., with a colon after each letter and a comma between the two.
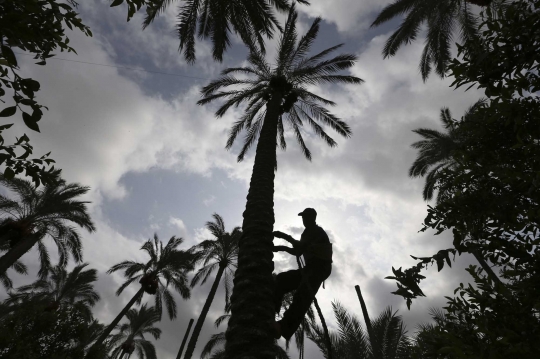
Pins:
x: 61, y: 287
x: 436, y: 151
x: 39, y: 213
x: 275, y: 96
x: 351, y: 341
x: 220, y: 253
x: 441, y: 17
x: 131, y: 338
x: 216, y: 19
x: 167, y: 266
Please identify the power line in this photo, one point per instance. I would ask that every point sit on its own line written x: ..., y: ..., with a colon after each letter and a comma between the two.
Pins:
x: 120, y: 67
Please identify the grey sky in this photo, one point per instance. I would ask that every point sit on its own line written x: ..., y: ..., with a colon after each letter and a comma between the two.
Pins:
x: 156, y: 161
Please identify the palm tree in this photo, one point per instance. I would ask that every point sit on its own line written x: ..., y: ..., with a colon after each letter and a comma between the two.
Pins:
x: 274, y: 96
x: 214, y: 348
x: 131, y: 335
x: 441, y: 17
x: 42, y: 212
x: 352, y: 342
x: 220, y: 254
x: 167, y: 264
x: 435, y: 152
x: 216, y: 19
x: 61, y: 287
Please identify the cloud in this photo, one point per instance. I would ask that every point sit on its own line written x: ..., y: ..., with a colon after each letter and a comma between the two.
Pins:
x: 179, y: 224
x: 208, y: 201
x: 348, y: 15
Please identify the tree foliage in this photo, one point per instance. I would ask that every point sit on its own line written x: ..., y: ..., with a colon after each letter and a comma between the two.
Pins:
x: 46, y: 211
x: 289, y: 78
x: 38, y: 28
x: 441, y: 17
x: 61, y: 287
x: 167, y: 265
x: 351, y: 340
x: 130, y: 336
x: 252, y: 20
x: 30, y: 331
x: 491, y: 196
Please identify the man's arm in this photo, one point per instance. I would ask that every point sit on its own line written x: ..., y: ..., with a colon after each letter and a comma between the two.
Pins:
x: 286, y: 237
x: 297, y: 249
x: 289, y: 250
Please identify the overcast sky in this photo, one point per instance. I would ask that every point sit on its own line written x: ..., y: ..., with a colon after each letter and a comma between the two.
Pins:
x: 156, y: 162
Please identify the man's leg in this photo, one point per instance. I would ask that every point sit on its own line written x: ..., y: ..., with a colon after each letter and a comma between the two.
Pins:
x: 293, y: 316
x: 285, y: 283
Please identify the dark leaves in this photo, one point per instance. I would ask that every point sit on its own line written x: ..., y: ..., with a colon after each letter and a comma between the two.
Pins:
x: 8, y: 111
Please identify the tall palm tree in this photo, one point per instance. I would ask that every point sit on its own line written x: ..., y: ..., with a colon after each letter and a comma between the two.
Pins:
x: 352, y: 342
x: 38, y: 213
x: 167, y: 265
x: 274, y: 96
x: 61, y: 287
x: 221, y: 254
x: 216, y: 19
x: 131, y: 338
x: 214, y: 348
x: 441, y: 17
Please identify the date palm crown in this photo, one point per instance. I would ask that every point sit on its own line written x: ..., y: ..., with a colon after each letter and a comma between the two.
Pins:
x: 289, y: 80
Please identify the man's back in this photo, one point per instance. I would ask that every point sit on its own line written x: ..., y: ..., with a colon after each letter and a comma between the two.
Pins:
x: 315, y: 245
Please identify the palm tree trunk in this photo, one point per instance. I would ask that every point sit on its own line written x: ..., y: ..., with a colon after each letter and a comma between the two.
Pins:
x: 24, y: 245
x: 372, y: 339
x: 116, y: 320
x: 249, y: 331
x: 487, y: 268
x: 200, y: 321
x: 179, y: 356
x: 325, y: 328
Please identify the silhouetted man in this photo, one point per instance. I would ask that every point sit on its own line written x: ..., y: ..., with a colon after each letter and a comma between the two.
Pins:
x: 317, y: 250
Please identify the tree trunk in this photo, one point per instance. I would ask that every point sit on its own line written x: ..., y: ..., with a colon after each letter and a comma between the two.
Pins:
x: 487, y: 268
x: 24, y: 245
x: 179, y: 356
x: 116, y: 320
x: 200, y: 321
x: 325, y: 328
x: 249, y: 331
x: 369, y: 328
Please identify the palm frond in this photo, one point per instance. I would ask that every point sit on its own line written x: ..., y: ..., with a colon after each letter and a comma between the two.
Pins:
x: 393, y: 10
x: 287, y: 79
x: 154, y: 9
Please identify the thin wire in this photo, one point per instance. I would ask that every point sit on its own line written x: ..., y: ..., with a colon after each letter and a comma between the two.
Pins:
x: 120, y: 67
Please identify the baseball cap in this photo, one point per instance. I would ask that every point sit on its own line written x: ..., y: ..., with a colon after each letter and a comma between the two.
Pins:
x: 309, y: 212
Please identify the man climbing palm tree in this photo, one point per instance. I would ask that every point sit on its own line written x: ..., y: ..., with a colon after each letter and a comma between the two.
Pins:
x: 317, y: 250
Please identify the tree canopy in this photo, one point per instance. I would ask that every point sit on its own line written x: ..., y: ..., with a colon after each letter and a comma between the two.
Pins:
x: 37, y: 28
